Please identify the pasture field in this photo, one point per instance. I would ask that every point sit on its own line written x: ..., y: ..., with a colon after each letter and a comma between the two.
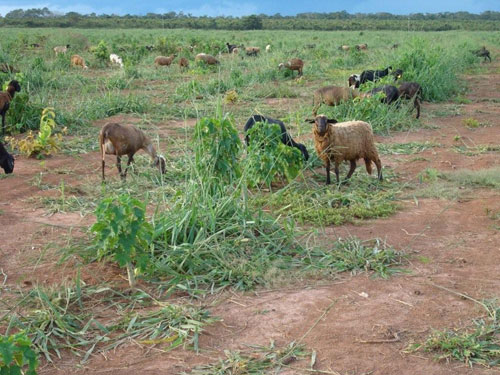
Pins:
x: 216, y: 267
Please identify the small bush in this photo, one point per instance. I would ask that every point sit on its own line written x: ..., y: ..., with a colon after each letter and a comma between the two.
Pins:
x: 16, y: 354
x: 268, y: 157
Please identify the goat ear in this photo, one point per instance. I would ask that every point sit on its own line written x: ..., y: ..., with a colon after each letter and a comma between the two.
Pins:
x: 332, y: 121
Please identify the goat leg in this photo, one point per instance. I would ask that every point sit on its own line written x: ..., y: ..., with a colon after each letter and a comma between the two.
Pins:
x: 130, y: 160
x: 337, y: 172
x: 351, y: 170
x: 119, y: 165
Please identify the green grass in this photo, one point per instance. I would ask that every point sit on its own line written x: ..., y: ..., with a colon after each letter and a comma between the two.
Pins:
x: 476, y: 150
x: 405, y: 148
x: 478, y: 344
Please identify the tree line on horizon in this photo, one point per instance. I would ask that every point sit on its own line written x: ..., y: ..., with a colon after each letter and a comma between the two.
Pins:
x: 43, y: 17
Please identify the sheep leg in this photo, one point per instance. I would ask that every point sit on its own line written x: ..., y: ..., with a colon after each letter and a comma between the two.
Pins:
x: 416, y: 104
x: 327, y: 166
x: 351, y: 170
x: 103, y: 164
x: 379, y: 168
x: 337, y: 172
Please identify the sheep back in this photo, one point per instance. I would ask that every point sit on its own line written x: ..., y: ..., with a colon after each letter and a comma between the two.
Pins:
x: 121, y: 139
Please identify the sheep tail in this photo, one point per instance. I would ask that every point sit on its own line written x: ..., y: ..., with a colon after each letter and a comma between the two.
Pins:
x: 368, y: 165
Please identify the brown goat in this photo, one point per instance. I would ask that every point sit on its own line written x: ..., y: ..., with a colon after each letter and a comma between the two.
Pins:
x: 252, y: 51
x: 119, y: 140
x: 411, y: 90
x: 208, y: 59
x: 164, y: 61
x: 363, y: 46
x: 293, y: 64
x: 183, y: 63
x: 5, y: 98
x: 332, y: 95
x: 77, y: 60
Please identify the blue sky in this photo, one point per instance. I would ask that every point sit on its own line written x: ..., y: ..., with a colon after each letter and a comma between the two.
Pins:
x: 245, y: 7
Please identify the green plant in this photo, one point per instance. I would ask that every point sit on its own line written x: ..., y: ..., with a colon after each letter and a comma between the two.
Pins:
x: 217, y: 148
x: 101, y: 52
x: 45, y: 143
x: 16, y: 354
x: 122, y: 231
x: 268, y: 157
x: 471, y: 123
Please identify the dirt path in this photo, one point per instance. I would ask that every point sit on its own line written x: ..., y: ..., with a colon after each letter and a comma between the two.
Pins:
x: 369, y: 322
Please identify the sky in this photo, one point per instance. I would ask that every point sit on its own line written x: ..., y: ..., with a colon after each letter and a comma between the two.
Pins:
x: 245, y: 7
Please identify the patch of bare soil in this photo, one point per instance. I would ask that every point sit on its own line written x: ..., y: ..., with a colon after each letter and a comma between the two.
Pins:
x: 356, y: 324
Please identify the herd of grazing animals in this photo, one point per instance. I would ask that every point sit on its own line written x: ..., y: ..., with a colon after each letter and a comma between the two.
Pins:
x: 334, y: 142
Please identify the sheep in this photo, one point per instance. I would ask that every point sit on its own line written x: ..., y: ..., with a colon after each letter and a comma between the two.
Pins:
x: 236, y: 51
x: 293, y: 64
x: 483, y: 52
x: 369, y: 75
x: 332, y: 95
x: 231, y: 47
x: 359, y: 47
x: 268, y: 48
x: 150, y: 47
x: 7, y: 68
x: 344, y: 48
x: 183, y: 63
x: 115, y: 59
x: 6, y: 160
x: 61, y: 49
x: 286, y: 138
x: 353, y: 80
x: 345, y: 141
x: 164, y: 61
x: 411, y: 90
x: 391, y: 93
x: 77, y: 60
x: 117, y: 139
x: 208, y: 59
x: 252, y: 51
x: 5, y: 98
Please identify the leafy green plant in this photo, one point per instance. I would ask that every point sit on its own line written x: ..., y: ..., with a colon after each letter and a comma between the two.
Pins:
x: 16, y: 354
x: 268, y: 157
x: 45, y: 143
x: 122, y: 231
x: 101, y: 52
x: 217, y: 148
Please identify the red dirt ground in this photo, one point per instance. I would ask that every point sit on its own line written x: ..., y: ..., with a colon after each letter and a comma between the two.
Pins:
x: 370, y: 321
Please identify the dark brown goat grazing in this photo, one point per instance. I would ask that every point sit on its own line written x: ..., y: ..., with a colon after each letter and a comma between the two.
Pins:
x: 5, y: 98
x: 293, y: 64
x: 411, y: 90
x: 119, y: 140
x: 483, y: 52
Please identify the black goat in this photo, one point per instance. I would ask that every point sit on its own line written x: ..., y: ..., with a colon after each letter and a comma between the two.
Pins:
x: 6, y: 160
x: 391, y: 93
x: 411, y: 90
x: 230, y: 47
x: 397, y: 74
x: 483, y: 52
x: 286, y: 138
x: 369, y: 75
x: 6, y: 97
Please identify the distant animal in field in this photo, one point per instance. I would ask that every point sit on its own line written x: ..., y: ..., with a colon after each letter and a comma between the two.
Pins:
x: 6, y: 160
x: 61, y: 49
x: 77, y: 60
x: 293, y: 64
x: 115, y: 59
x: 483, y: 52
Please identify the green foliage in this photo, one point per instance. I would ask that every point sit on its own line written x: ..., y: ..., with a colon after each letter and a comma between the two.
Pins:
x: 165, y: 46
x: 268, y: 157
x: 122, y: 231
x: 16, y: 354
x: 217, y: 148
x: 45, y: 143
x: 101, y: 52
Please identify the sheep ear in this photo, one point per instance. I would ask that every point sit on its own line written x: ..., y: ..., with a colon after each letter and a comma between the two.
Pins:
x: 332, y: 121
